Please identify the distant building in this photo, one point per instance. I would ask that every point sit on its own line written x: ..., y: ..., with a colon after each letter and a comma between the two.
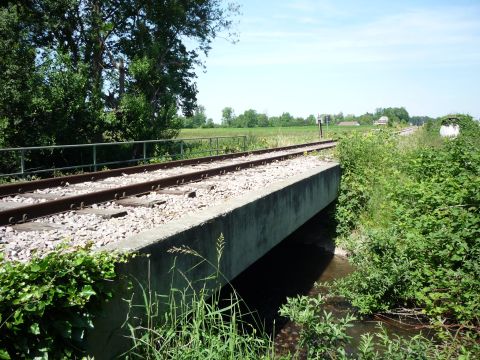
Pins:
x: 382, y: 121
x: 451, y: 130
x: 349, y: 123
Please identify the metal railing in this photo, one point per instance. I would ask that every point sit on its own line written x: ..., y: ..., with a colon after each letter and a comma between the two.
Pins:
x: 34, y: 160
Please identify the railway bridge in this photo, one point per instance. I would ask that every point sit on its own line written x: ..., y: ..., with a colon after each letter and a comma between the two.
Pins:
x: 255, y: 205
x: 251, y: 225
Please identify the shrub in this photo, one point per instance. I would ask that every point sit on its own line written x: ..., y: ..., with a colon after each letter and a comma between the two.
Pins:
x: 47, y: 304
x: 425, y: 251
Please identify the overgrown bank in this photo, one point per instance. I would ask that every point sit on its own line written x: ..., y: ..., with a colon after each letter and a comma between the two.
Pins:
x: 408, y: 213
x: 410, y: 203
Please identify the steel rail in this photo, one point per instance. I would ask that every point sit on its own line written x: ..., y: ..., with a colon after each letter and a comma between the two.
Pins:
x: 28, y: 186
x: 30, y: 212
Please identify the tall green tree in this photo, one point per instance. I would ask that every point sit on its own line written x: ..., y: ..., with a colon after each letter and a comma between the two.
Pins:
x: 228, y: 116
x: 394, y: 114
x: 420, y: 120
x: 263, y: 120
x: 286, y: 119
x: 80, y: 70
x: 198, y: 118
x: 249, y: 118
x: 311, y: 120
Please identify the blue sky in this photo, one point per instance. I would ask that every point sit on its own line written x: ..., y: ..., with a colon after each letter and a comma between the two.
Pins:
x: 325, y: 56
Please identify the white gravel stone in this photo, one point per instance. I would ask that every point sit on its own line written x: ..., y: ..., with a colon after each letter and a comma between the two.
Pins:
x: 81, y: 229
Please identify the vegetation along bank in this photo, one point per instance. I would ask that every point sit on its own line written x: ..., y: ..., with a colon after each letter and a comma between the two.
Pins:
x: 408, y: 214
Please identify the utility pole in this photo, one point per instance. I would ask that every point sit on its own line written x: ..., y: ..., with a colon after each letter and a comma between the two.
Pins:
x: 319, y: 120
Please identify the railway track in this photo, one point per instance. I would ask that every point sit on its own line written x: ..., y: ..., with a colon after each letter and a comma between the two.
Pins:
x: 137, y: 180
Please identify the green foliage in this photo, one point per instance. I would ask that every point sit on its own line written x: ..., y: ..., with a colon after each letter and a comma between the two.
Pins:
x: 252, y: 119
x: 74, y: 71
x: 198, y: 119
x: 468, y: 127
x: 228, y: 116
x: 49, y: 303
x: 195, y: 322
x: 275, y: 136
x: 321, y: 335
x: 195, y: 326
x: 420, y: 120
x: 417, y: 220
x: 363, y: 157
x: 395, y: 115
x: 397, y: 348
x: 78, y: 71
x: 248, y: 119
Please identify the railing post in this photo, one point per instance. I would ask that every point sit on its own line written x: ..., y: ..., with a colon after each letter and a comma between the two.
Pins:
x: 217, y: 146
x: 94, y: 158
x: 22, y: 161
x: 210, y: 140
x: 144, y: 151
x: 181, y: 149
x: 244, y: 143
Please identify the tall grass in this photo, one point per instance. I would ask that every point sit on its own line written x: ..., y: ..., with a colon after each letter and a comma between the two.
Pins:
x: 191, y: 324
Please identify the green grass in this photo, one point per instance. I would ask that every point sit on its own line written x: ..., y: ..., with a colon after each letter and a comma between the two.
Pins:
x: 275, y: 136
x: 195, y: 327
x: 195, y: 322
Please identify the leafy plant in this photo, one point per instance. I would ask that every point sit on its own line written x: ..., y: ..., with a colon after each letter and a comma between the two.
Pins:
x: 321, y: 335
x: 363, y: 158
x: 415, y: 226
x: 47, y: 304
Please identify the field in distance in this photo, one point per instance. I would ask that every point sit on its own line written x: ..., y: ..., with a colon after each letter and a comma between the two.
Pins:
x: 275, y: 136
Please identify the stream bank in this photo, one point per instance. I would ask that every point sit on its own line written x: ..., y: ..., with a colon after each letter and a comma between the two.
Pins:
x: 293, y: 268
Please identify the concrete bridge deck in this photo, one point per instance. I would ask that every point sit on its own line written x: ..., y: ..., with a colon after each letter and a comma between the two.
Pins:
x: 251, y: 226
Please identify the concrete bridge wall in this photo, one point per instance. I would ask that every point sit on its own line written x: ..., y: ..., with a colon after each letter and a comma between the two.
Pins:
x: 251, y: 226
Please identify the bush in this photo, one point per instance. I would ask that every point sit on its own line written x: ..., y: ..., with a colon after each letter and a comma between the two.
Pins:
x: 424, y: 252
x: 48, y: 303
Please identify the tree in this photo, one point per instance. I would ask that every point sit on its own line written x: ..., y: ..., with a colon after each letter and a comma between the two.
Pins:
x: 209, y: 124
x: 337, y: 118
x: 298, y: 121
x: 263, y: 120
x: 395, y: 115
x: 228, y: 116
x: 198, y: 119
x: 249, y: 118
x: 350, y: 117
x: 286, y: 119
x: 41, y: 96
x: 274, y: 121
x: 16, y: 58
x: 366, y: 119
x: 420, y: 120
x: 311, y: 120
x: 94, y: 68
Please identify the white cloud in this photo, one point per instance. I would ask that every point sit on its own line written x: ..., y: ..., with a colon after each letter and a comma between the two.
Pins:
x: 302, y: 5
x: 321, y: 7
x: 438, y: 36
x: 353, y: 59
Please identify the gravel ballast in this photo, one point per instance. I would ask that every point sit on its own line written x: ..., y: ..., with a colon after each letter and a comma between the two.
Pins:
x: 74, y: 229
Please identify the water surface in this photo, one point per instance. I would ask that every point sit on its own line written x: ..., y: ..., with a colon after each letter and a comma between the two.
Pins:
x: 293, y: 268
